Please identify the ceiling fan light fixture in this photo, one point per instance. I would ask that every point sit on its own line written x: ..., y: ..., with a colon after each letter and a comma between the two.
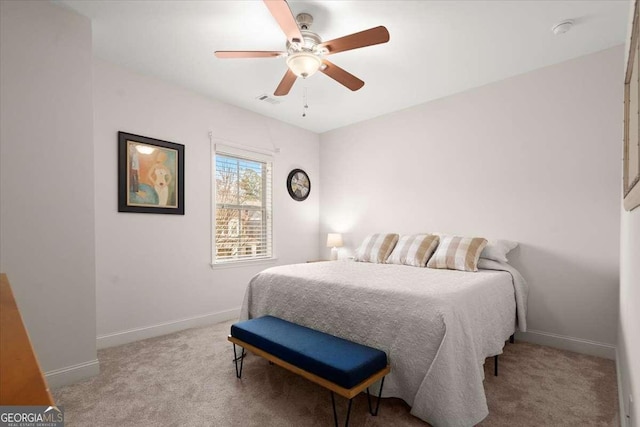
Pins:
x: 303, y: 64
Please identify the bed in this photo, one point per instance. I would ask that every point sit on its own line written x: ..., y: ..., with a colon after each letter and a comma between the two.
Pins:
x: 436, y: 326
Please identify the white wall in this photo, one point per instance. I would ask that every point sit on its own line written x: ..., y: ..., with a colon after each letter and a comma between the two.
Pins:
x: 153, y: 272
x: 629, y: 325
x: 47, y: 212
x: 533, y: 159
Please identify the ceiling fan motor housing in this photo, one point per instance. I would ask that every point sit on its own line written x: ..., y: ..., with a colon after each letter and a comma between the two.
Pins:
x: 309, y: 39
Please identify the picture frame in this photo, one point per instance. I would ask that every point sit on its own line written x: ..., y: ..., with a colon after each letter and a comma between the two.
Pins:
x: 150, y: 175
x: 631, y: 150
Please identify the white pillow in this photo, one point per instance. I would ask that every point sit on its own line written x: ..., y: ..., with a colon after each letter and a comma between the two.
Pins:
x: 497, y: 250
x: 414, y: 250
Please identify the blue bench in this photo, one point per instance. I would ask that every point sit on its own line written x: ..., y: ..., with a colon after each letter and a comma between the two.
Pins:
x: 340, y: 365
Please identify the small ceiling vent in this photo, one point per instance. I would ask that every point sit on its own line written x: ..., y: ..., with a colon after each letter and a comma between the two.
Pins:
x: 266, y: 98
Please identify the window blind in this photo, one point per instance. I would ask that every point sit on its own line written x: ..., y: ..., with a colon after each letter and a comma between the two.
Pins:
x: 243, y: 207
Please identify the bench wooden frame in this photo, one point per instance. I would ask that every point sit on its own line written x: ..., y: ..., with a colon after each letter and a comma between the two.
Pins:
x: 348, y: 393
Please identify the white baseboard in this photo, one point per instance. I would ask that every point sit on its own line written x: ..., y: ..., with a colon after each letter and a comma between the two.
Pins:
x: 137, y: 334
x: 579, y: 345
x: 72, y: 374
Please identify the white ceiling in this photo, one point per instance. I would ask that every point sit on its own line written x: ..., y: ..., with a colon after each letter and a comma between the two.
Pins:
x: 437, y: 48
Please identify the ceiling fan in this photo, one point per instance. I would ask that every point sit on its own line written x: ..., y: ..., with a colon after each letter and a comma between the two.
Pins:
x: 305, y: 50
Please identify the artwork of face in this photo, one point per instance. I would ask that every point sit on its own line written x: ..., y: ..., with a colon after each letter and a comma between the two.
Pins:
x: 151, y: 178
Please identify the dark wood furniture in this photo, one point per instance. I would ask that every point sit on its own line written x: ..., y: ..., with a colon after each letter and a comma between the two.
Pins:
x: 21, y: 379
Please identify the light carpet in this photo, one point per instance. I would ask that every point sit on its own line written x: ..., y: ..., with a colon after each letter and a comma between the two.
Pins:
x: 188, y: 379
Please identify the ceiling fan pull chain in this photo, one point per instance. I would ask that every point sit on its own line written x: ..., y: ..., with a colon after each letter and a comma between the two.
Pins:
x: 305, y: 105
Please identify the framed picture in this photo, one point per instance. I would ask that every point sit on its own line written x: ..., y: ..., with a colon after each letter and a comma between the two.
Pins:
x: 150, y: 175
x: 631, y: 154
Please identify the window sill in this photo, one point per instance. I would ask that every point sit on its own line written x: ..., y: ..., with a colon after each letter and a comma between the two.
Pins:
x: 244, y: 263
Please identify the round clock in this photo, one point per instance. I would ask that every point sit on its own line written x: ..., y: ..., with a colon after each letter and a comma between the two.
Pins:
x: 298, y: 185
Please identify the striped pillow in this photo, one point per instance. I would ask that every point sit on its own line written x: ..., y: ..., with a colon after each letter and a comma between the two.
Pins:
x: 458, y: 253
x: 376, y: 248
x: 414, y: 250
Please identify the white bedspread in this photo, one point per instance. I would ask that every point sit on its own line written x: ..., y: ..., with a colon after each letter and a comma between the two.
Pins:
x: 436, y: 326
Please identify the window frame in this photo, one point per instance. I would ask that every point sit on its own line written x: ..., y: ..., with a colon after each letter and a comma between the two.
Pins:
x: 252, y: 155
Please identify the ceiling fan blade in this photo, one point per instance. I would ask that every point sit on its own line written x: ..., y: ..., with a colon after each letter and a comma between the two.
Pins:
x: 224, y: 54
x: 283, y: 16
x: 286, y: 83
x: 341, y: 76
x: 364, y: 38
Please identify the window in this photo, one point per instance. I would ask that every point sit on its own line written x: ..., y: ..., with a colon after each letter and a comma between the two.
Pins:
x: 242, y: 190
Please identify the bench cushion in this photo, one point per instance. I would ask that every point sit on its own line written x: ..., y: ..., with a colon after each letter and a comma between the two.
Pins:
x: 335, y: 359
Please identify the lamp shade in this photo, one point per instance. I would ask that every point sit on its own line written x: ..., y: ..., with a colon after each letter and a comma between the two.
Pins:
x: 334, y: 240
x: 303, y: 64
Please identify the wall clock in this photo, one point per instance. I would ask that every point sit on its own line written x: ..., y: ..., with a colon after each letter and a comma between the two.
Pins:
x: 298, y: 185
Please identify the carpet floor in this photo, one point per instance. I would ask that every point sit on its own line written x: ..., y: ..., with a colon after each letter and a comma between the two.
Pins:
x: 188, y: 379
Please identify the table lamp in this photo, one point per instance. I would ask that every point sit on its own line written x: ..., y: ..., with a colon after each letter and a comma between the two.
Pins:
x: 334, y: 241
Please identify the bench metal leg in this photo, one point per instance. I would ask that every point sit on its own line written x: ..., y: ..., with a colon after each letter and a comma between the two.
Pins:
x: 378, y: 403
x: 236, y: 358
x: 346, y: 423
x: 335, y: 414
